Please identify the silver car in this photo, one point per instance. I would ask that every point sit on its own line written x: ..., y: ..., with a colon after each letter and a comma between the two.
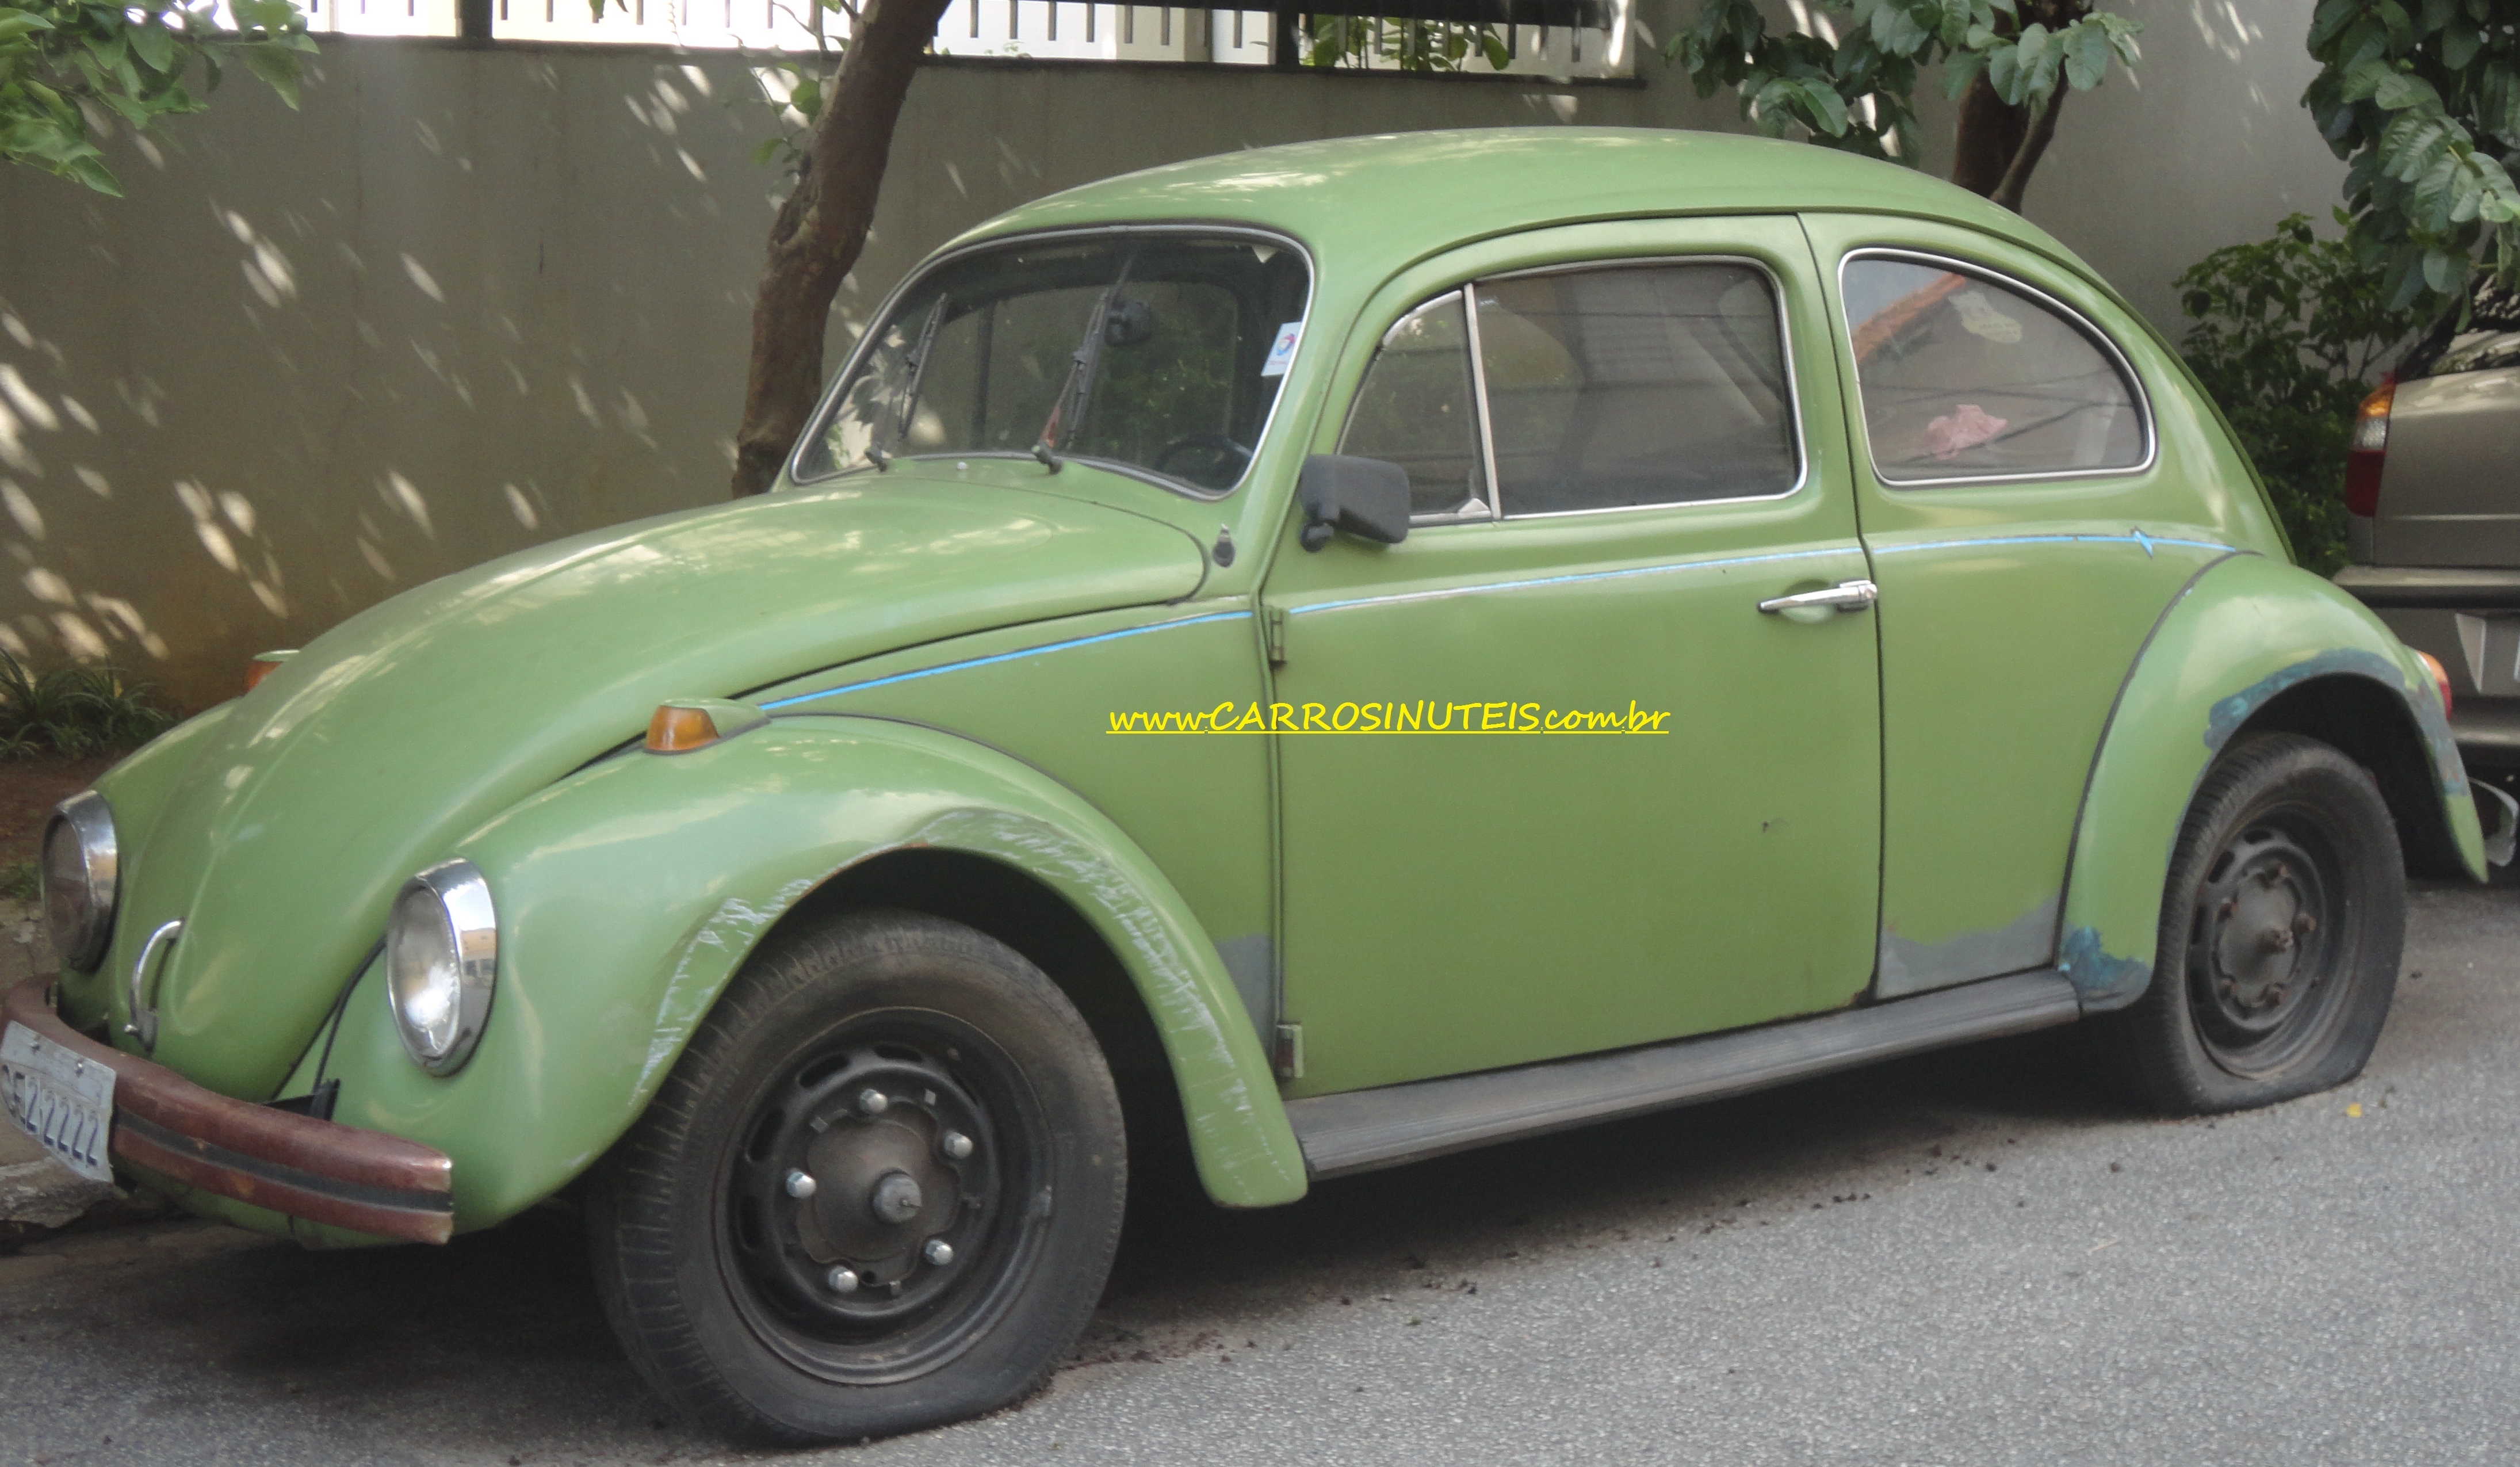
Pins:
x: 2433, y: 519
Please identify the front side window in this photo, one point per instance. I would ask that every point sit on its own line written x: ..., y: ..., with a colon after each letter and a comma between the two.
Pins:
x: 1585, y: 390
x: 1156, y: 352
x: 1964, y: 378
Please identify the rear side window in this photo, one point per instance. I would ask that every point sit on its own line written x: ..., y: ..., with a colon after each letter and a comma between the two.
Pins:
x: 1636, y: 385
x: 1965, y: 378
x: 1417, y: 408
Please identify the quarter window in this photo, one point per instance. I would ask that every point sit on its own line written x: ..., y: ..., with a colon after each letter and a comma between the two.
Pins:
x: 1636, y: 385
x: 1416, y: 408
x: 1963, y: 378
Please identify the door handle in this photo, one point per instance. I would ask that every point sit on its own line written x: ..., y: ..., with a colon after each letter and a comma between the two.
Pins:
x: 1845, y: 596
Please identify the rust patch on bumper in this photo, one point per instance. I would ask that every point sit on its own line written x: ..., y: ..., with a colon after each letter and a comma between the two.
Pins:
x: 321, y: 1171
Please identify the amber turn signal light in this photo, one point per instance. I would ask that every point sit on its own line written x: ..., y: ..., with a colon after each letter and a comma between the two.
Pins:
x: 679, y: 730
x: 263, y: 665
x: 2441, y: 679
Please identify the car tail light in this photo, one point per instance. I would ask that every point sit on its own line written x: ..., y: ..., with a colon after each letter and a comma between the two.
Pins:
x: 2368, y: 446
x: 2441, y: 679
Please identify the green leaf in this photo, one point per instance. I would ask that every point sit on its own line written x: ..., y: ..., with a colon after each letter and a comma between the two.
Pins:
x: 2444, y: 273
x: 1896, y: 28
x: 2395, y: 91
x: 1960, y: 71
x: 2087, y: 55
x: 156, y: 45
x: 277, y: 67
x: 2460, y: 41
x: 93, y: 172
x: 16, y: 22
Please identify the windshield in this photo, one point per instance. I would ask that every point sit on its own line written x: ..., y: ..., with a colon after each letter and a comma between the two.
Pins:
x: 1153, y: 351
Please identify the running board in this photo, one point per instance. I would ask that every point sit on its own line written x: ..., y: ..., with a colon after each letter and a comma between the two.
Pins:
x: 1361, y: 1131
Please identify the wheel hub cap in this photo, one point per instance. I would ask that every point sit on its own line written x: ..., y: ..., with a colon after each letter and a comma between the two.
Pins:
x: 2259, y: 946
x: 889, y: 1204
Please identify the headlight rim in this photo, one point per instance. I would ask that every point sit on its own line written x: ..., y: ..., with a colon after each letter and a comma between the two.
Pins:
x: 470, y: 918
x: 90, y: 820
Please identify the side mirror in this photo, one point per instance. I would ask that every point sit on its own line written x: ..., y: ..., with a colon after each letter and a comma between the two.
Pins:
x: 1367, y: 497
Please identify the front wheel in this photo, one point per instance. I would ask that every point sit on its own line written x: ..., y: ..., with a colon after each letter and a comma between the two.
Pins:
x: 2281, y: 927
x: 879, y: 1191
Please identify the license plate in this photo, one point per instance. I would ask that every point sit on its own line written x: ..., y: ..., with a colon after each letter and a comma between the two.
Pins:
x: 63, y: 1100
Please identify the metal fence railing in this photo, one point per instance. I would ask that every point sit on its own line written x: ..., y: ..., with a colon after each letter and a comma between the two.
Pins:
x: 1048, y: 29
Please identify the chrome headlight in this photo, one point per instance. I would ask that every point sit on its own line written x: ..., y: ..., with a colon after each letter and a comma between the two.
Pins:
x: 79, y: 871
x: 442, y: 962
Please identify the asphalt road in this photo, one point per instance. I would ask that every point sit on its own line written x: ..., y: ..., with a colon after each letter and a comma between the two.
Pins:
x: 1973, y: 1259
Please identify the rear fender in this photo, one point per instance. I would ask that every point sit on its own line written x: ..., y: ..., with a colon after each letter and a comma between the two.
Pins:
x: 2249, y: 645
x: 631, y: 893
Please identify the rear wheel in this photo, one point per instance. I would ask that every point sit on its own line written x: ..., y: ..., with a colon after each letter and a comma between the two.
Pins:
x: 879, y: 1191
x: 2282, y: 928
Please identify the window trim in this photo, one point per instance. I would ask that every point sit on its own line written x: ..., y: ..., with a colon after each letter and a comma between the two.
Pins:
x: 1478, y: 405
x: 1467, y: 290
x: 828, y: 405
x: 2075, y: 319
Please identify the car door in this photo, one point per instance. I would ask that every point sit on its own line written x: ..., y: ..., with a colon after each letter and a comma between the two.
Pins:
x: 2031, y: 508
x: 1555, y: 783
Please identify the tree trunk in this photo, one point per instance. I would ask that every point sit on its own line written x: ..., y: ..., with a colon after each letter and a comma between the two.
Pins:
x: 1996, y: 145
x: 822, y: 229
x: 2016, y: 175
x: 1987, y: 137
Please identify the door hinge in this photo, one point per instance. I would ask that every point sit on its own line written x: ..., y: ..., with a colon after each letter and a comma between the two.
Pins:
x: 1290, y: 1058
x: 1273, y: 621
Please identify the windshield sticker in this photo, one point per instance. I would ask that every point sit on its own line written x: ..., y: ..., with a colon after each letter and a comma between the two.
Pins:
x: 1283, y: 350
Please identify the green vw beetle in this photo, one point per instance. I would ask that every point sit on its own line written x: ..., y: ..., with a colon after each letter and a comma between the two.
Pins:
x: 1364, y: 649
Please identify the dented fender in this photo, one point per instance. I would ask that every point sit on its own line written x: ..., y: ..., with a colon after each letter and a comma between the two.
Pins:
x: 631, y: 893
x: 2243, y: 630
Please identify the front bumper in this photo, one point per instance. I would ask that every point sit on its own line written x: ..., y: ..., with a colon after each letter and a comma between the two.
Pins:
x: 321, y: 1171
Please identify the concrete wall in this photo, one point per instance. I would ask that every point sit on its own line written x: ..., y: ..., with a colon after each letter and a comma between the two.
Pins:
x: 472, y: 299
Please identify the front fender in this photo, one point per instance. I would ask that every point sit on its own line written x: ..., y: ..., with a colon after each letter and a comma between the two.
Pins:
x: 2244, y: 631
x: 630, y: 894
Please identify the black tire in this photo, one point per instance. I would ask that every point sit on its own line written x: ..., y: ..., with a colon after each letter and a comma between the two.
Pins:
x: 723, y: 1285
x: 2281, y: 927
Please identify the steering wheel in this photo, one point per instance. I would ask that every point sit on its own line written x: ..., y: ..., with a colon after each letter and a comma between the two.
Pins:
x: 1219, y: 444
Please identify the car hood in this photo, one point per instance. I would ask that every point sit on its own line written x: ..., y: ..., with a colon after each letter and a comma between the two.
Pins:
x: 371, y: 753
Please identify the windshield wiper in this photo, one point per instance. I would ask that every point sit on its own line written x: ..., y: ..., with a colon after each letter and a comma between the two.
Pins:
x: 1067, y: 409
x: 916, y: 364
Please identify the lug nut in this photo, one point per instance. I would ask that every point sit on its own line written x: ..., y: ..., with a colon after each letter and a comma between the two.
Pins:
x: 955, y: 1145
x: 800, y: 1184
x: 842, y: 1280
x: 938, y: 1251
x: 873, y: 1102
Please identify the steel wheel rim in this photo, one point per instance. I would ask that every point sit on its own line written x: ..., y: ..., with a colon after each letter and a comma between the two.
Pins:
x: 909, y: 1311
x: 2265, y: 961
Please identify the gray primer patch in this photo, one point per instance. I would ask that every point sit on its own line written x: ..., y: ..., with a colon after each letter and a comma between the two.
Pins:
x: 1912, y: 967
x: 2102, y: 982
x: 1253, y: 963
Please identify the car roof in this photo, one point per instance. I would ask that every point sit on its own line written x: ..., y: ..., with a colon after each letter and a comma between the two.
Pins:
x: 1378, y: 203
